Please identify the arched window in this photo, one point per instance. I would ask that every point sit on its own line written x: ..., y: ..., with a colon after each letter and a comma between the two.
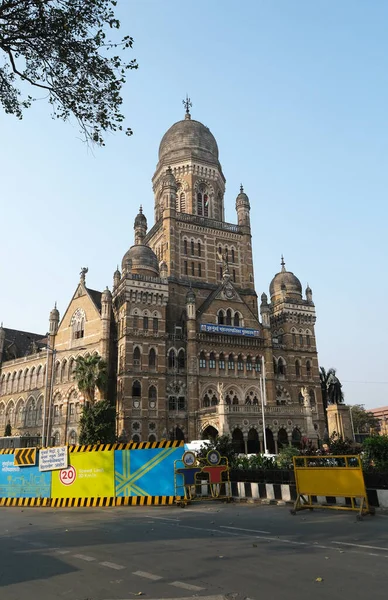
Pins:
x: 253, y: 442
x: 221, y: 361
x: 202, y: 360
x: 312, y: 397
x: 145, y: 323
x: 63, y: 372
x: 152, y: 397
x: 57, y: 438
x: 231, y: 362
x: 296, y: 438
x: 297, y: 369
x: 72, y: 438
x: 136, y: 438
x: 152, y: 438
x: 181, y: 360
x: 57, y: 374
x: 235, y: 400
x: 152, y: 359
x: 240, y: 363
x: 185, y: 246
x: 258, y: 364
x: 293, y: 339
x: 300, y: 398
x: 155, y: 325
x: 78, y: 324
x: 282, y: 438
x: 281, y: 367
x: 212, y: 360
x: 135, y: 321
x: 136, y: 389
x: 199, y: 248
x: 214, y: 400
x: 233, y: 256
x: 182, y: 202
x: 171, y: 359
x: 206, y: 401
x: 136, y: 357
x: 199, y: 204
x: 238, y: 441
x: 301, y: 340
x: 192, y: 247
x: 249, y: 363
x: 308, y: 368
x: 228, y: 317
x: 308, y: 340
x: 236, y: 319
x: 221, y: 317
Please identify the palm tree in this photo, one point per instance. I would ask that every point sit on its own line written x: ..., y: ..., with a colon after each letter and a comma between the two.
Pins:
x: 90, y: 373
x: 331, y: 387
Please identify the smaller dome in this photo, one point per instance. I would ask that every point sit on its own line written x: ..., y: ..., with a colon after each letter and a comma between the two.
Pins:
x: 242, y: 197
x: 54, y: 314
x: 106, y: 295
x: 169, y: 179
x: 140, y: 218
x: 285, y: 282
x: 143, y: 260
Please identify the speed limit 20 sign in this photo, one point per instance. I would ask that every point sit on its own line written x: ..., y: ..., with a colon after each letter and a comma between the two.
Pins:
x: 68, y: 476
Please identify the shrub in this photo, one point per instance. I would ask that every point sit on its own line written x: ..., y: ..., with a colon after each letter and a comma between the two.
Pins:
x: 284, y: 458
x: 376, y: 452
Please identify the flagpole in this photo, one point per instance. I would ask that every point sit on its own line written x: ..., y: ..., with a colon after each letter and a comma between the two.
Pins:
x: 263, y: 402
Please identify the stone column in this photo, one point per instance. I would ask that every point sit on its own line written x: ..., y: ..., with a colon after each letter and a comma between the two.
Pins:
x: 339, y: 421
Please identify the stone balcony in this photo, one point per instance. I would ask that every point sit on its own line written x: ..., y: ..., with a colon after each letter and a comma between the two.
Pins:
x: 246, y: 409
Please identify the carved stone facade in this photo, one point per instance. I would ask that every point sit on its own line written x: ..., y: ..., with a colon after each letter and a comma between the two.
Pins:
x: 183, y: 332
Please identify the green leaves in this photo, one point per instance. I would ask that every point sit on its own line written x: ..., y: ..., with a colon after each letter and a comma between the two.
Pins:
x: 90, y: 373
x: 98, y: 423
x: 60, y: 46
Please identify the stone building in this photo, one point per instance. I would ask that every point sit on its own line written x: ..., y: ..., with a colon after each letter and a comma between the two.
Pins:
x: 183, y: 332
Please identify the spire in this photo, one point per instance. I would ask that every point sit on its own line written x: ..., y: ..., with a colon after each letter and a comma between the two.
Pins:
x: 140, y: 211
x: 283, y: 264
x: 84, y: 270
x: 241, y: 188
x: 187, y: 104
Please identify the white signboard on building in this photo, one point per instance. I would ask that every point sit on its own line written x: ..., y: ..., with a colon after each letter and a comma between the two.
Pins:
x: 51, y: 459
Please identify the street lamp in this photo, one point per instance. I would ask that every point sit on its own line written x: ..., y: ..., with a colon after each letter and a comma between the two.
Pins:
x: 351, y: 421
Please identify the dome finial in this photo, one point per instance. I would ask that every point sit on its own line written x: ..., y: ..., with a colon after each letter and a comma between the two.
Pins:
x: 241, y: 188
x: 187, y: 104
x: 283, y: 264
x: 140, y: 209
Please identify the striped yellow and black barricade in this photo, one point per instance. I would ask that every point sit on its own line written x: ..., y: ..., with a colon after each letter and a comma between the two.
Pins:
x: 319, y: 477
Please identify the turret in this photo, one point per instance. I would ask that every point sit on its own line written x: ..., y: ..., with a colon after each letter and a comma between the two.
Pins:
x: 190, y: 305
x: 106, y: 313
x: 116, y: 278
x: 169, y: 190
x: 309, y: 294
x: 140, y: 227
x: 243, y: 209
x: 265, y: 311
x: 2, y: 342
x: 54, y: 321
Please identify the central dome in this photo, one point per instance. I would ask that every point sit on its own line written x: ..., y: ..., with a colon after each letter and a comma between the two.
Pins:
x: 188, y: 138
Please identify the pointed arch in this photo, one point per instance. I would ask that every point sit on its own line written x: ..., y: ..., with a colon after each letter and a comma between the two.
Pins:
x: 152, y: 359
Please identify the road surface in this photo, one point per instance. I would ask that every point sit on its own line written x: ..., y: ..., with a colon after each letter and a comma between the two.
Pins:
x: 211, y: 551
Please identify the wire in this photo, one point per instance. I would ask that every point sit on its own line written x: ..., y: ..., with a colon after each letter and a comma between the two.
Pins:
x: 352, y: 381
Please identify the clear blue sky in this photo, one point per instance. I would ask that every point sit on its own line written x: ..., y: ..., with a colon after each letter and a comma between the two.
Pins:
x: 296, y: 94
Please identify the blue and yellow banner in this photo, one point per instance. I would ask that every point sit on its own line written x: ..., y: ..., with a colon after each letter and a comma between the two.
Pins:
x: 146, y: 472
x: 22, y: 482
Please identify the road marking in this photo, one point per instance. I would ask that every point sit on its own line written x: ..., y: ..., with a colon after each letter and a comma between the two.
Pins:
x: 360, y: 546
x: 204, y: 529
x: 218, y: 597
x: 187, y: 586
x: 241, y: 529
x: 112, y: 566
x: 166, y: 519
x: 59, y: 551
x: 147, y: 575
x: 84, y: 557
x: 38, y: 544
